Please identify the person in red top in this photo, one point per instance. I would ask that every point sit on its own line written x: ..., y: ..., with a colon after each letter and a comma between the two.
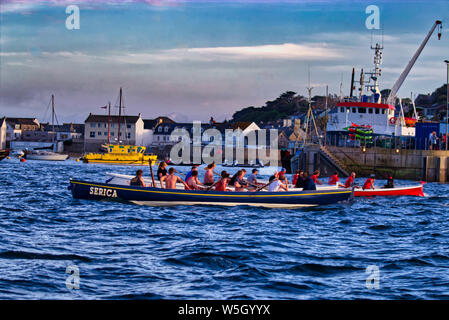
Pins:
x: 295, y: 177
x: 223, y: 182
x: 315, y: 176
x: 369, y: 183
x: 334, y: 179
x: 350, y: 181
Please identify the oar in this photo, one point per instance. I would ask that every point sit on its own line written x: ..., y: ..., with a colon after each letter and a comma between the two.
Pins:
x: 210, y: 187
x: 182, y: 174
x: 266, y: 185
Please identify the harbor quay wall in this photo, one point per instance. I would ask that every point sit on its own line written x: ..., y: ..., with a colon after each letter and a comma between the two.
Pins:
x: 426, y: 165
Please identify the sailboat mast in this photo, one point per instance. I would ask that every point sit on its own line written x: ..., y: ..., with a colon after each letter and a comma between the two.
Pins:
x: 109, y: 123
x: 119, y: 115
x: 53, y: 115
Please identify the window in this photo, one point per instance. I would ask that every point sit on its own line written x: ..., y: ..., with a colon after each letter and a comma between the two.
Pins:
x: 92, y: 125
x: 112, y: 134
x: 362, y: 110
x: 159, y: 129
x: 92, y: 134
x: 112, y: 125
x: 99, y: 133
x: 99, y: 125
x: 377, y: 111
x: 354, y: 110
x: 370, y: 110
x: 166, y: 129
x: 342, y: 109
x: 383, y: 111
x: 129, y: 135
x: 105, y: 133
x: 128, y: 126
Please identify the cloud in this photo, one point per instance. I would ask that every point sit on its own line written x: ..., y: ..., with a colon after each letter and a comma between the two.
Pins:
x: 286, y: 51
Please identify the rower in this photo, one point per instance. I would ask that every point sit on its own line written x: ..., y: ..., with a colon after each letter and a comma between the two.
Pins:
x: 275, y: 184
x: 315, y: 176
x: 209, y: 176
x: 300, y: 180
x: 252, y: 180
x: 193, y: 182
x: 309, y: 184
x: 390, y: 182
x: 171, y: 179
x: 295, y: 177
x: 162, y: 170
x: 240, y: 184
x: 194, y: 168
x: 350, y: 181
x: 137, y: 181
x: 234, y: 177
x: 369, y: 183
x: 282, y: 176
x: 223, y: 182
x: 334, y: 179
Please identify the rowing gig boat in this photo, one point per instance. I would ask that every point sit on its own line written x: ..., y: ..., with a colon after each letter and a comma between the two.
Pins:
x: 169, y: 197
x: 399, y: 191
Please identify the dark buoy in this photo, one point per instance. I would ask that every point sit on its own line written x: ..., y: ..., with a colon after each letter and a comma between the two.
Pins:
x: 23, y: 160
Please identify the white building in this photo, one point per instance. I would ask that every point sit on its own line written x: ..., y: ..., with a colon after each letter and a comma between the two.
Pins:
x: 96, y: 131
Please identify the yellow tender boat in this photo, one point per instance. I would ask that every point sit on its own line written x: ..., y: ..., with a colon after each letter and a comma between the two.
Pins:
x: 121, y: 154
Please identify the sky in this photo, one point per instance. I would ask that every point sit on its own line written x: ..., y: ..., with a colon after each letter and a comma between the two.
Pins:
x: 191, y: 60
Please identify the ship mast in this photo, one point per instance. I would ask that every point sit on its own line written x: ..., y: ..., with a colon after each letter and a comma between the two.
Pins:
x: 53, y: 117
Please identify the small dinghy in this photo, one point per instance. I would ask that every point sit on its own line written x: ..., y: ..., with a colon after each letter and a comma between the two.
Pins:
x: 172, y: 197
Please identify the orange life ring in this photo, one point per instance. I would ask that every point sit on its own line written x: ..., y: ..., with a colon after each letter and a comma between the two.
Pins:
x: 393, y: 120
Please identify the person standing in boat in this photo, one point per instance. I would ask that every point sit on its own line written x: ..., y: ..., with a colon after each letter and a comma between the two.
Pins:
x: 315, y: 176
x: 209, y: 175
x: 193, y: 182
x: 350, y: 181
x: 309, y: 184
x: 137, y: 181
x: 369, y: 183
x: 222, y: 184
x: 171, y: 179
x: 334, y: 179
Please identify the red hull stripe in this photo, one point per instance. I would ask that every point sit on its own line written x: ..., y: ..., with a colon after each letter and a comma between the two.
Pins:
x: 366, y: 105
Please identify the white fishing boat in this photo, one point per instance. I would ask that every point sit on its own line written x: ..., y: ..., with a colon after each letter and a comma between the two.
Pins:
x: 371, y: 110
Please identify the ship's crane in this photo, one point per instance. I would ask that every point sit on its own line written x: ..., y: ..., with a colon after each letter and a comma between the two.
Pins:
x: 404, y: 74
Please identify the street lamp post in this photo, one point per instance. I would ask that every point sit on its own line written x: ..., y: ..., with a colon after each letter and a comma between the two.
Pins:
x: 447, y: 101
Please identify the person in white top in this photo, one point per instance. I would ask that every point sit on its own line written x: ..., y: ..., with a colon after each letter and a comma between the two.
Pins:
x: 275, y: 184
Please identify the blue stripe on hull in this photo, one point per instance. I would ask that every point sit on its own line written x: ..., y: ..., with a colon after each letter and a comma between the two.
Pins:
x: 99, y: 191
